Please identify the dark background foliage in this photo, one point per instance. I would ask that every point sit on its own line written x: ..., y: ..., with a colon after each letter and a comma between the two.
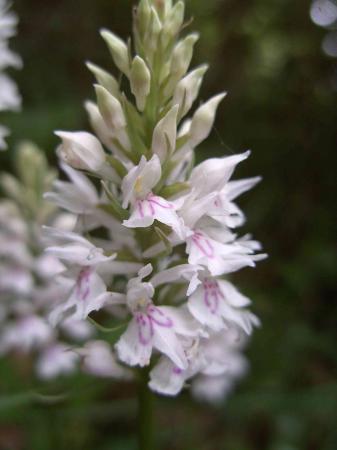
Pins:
x: 282, y: 105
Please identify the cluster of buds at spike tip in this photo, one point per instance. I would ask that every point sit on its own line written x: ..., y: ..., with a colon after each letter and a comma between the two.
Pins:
x: 169, y: 242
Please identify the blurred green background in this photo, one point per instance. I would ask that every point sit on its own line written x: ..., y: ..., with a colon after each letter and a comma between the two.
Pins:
x: 282, y: 105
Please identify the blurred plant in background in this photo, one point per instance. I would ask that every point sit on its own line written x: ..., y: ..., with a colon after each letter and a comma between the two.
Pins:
x: 9, y: 95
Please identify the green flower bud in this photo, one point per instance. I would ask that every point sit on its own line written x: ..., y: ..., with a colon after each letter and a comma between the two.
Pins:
x: 119, y: 51
x: 174, y: 21
x: 10, y: 186
x: 181, y: 58
x: 163, y: 7
x: 155, y: 29
x: 140, y: 80
x: 110, y: 109
x: 203, y: 120
x: 143, y: 16
x: 187, y: 89
x: 165, y: 134
x: 31, y: 164
x: 105, y: 79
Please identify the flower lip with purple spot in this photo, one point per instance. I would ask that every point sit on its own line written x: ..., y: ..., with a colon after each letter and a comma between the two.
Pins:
x: 83, y: 283
x: 203, y: 244
x: 212, y: 295
x: 153, y: 203
x: 147, y: 321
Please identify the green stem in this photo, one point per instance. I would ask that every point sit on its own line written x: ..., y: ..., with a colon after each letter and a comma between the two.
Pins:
x: 145, y: 413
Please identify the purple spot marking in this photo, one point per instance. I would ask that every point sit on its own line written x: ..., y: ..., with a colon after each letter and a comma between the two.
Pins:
x: 146, y: 322
x: 177, y: 371
x: 152, y: 202
x: 145, y: 328
x: 140, y: 208
x: 158, y: 317
x: 212, y: 295
x: 203, y: 244
x: 83, y: 283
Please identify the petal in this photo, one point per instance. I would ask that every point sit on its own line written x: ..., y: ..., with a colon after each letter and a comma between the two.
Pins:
x: 232, y: 295
x: 166, y: 342
x: 235, y: 188
x: 131, y: 347
x: 204, y: 311
x: 182, y: 271
x: 166, y: 378
x: 183, y: 322
x: 212, y: 174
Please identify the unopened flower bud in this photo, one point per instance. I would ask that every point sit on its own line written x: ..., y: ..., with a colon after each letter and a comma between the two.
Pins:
x: 187, y: 89
x: 31, y: 164
x: 97, y: 124
x: 140, y: 79
x: 105, y: 79
x: 143, y: 16
x: 81, y: 150
x: 203, y: 120
x: 118, y: 50
x: 175, y: 19
x: 165, y: 134
x: 110, y: 109
x: 106, y: 135
x: 163, y: 7
x: 155, y: 29
x: 182, y: 56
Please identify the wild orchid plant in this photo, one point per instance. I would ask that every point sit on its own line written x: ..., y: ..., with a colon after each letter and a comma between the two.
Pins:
x: 10, y: 99
x: 154, y: 244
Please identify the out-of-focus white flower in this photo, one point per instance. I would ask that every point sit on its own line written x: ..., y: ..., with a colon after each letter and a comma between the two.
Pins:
x: 214, y: 386
x: 100, y: 361
x: 9, y: 95
x: 323, y: 12
x: 216, y: 361
x: 26, y: 334
x: 56, y: 360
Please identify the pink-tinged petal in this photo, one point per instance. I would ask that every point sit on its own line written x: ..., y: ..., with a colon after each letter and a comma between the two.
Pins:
x: 203, y: 245
x: 131, y: 347
x: 201, y: 305
x: 145, y: 328
x: 145, y: 211
x: 183, y: 322
x: 158, y: 317
x: 166, y: 378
